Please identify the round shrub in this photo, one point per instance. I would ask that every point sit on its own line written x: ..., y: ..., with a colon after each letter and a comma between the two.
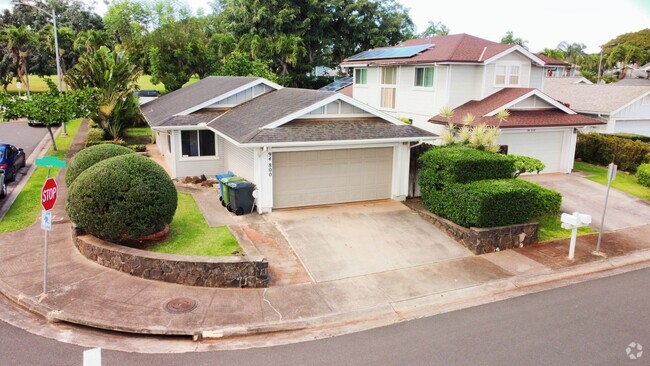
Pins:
x: 643, y: 175
x: 122, y: 198
x: 90, y: 156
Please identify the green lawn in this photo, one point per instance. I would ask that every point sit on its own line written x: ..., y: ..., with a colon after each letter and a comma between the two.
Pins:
x: 137, y: 135
x: 624, y: 182
x: 27, y: 207
x: 550, y: 228
x: 191, y: 235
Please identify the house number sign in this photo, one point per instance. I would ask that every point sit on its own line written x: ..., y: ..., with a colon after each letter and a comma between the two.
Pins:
x: 270, y: 164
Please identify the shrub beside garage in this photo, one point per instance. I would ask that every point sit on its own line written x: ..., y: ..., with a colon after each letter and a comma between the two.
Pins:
x: 602, y: 149
x: 643, y: 175
x: 122, y: 198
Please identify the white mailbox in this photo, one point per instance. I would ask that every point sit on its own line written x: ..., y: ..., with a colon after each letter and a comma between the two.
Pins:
x: 573, y: 222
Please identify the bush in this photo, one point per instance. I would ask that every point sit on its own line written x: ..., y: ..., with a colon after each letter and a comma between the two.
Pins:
x: 138, y: 147
x: 122, y: 198
x: 546, y: 201
x: 90, y: 156
x: 602, y: 149
x: 485, y: 203
x: 525, y: 164
x: 442, y: 166
x: 633, y: 137
x: 95, y: 136
x: 643, y: 175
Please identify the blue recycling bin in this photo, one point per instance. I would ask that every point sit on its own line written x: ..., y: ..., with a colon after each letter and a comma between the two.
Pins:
x: 227, y: 174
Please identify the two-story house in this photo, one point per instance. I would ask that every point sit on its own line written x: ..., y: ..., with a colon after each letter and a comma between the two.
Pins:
x: 418, y: 78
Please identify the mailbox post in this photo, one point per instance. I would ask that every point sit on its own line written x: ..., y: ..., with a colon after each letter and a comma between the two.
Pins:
x: 573, y: 222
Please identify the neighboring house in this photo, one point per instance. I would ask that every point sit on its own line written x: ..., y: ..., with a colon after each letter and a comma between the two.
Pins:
x: 418, y: 78
x: 625, y: 108
x: 300, y: 147
x: 342, y: 85
x: 557, y: 68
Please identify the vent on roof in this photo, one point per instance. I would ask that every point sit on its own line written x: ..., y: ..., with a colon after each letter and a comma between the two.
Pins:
x: 338, y: 84
x: 394, y: 52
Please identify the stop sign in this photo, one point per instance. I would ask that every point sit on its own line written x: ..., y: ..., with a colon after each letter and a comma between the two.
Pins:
x: 48, y: 194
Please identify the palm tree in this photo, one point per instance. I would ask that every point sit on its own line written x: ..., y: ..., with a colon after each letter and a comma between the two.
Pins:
x: 90, y: 40
x: 435, y: 29
x: 18, y: 40
x: 553, y: 53
x: 574, y: 53
x: 112, y: 74
x: 510, y: 38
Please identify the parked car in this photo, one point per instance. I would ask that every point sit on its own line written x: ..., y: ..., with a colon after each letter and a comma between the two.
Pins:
x: 147, y: 93
x: 3, y: 185
x: 39, y: 124
x: 11, y: 160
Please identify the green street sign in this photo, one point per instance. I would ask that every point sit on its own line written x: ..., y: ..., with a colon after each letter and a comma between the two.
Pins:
x: 51, y: 162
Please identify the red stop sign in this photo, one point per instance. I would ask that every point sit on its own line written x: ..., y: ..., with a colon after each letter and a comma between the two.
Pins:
x: 48, y: 194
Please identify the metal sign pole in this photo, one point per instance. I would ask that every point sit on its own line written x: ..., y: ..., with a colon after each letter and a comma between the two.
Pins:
x: 45, y: 248
x: 611, y: 175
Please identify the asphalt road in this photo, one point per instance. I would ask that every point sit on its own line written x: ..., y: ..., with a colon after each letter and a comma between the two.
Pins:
x: 591, y: 323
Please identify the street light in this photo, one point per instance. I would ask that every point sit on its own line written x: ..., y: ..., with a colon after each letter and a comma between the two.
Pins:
x: 56, y: 41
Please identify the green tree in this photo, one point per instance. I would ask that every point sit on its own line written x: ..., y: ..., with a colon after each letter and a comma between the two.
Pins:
x: 553, y: 53
x: 19, y: 41
x: 91, y: 40
x: 113, y: 75
x: 50, y: 108
x: 574, y: 53
x: 510, y: 38
x: 238, y: 64
x: 435, y: 29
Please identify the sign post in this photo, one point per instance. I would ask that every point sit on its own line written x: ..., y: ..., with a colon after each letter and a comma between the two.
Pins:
x: 573, y: 222
x: 48, y: 199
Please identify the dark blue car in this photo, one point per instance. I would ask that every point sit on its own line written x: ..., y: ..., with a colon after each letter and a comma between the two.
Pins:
x: 11, y: 160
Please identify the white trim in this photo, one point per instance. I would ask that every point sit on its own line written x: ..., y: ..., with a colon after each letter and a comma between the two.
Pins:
x: 334, y: 116
x: 508, y: 73
x: 647, y: 93
x: 537, y: 93
x: 343, y: 143
x: 229, y: 94
x: 415, y: 78
x: 354, y: 76
x: 199, y: 158
x: 178, y: 128
x: 330, y: 147
x: 523, y: 51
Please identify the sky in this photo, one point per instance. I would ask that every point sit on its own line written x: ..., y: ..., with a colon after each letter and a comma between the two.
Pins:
x: 543, y: 23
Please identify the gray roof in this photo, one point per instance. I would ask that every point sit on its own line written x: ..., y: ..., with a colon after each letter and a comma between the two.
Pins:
x: 243, y: 122
x: 193, y: 119
x: 603, y: 99
x: 337, y: 130
x: 157, y: 112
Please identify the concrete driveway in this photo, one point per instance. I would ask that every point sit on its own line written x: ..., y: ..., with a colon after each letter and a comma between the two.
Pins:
x: 351, y: 240
x: 584, y: 196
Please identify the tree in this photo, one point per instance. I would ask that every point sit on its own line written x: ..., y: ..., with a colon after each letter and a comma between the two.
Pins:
x: 435, y: 29
x: 113, y: 75
x: 19, y: 40
x: 90, y: 40
x: 128, y: 22
x: 574, y: 53
x: 553, y: 53
x: 238, y: 64
x: 510, y: 38
x: 50, y: 108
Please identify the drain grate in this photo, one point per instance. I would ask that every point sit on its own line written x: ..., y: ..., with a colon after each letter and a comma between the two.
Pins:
x: 180, y: 305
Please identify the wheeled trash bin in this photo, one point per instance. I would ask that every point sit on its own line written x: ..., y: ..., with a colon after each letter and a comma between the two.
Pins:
x: 226, y: 189
x: 219, y: 177
x: 241, y: 197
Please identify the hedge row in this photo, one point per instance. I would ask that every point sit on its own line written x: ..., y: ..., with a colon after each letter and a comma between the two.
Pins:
x: 602, y: 149
x: 633, y: 137
x: 643, y: 175
x: 445, y: 165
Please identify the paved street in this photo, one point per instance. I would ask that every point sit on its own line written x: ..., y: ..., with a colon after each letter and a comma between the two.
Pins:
x: 590, y: 323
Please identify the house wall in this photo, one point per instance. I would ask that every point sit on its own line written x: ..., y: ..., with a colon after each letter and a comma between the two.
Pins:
x: 239, y: 160
x: 195, y: 166
x: 533, y: 102
x: 537, y: 77
x: 634, y: 118
x: 513, y: 58
x: 337, y: 108
x: 163, y: 139
x: 463, y: 80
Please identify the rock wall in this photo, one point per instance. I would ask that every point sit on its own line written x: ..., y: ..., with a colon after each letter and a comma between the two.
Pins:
x: 180, y: 269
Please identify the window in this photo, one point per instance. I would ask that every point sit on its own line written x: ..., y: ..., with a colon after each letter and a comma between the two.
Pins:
x: 389, y: 82
x: 169, y: 142
x: 506, y: 74
x: 424, y: 77
x: 361, y: 76
x: 197, y: 143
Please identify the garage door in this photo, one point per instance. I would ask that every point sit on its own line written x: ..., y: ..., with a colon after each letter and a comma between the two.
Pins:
x: 545, y: 146
x: 307, y: 178
x: 636, y: 127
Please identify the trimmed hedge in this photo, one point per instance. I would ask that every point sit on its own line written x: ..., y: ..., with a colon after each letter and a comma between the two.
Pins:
x: 95, y: 136
x: 546, y: 201
x: 90, y: 156
x: 643, y: 175
x: 633, y: 137
x: 602, y: 149
x: 122, y: 198
x: 445, y: 165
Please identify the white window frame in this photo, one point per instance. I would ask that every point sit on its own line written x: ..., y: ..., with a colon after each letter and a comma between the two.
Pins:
x: 383, y: 86
x: 356, y: 72
x: 415, y: 77
x: 197, y: 158
x: 508, y: 73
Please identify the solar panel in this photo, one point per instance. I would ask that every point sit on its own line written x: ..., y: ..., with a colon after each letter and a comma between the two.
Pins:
x: 393, y: 52
x: 337, y: 84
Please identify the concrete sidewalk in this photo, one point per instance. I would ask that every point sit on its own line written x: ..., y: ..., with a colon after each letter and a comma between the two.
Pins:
x: 83, y: 292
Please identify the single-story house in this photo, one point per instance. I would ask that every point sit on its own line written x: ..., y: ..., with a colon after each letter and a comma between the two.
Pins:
x: 538, y: 125
x: 299, y: 147
x: 624, y: 108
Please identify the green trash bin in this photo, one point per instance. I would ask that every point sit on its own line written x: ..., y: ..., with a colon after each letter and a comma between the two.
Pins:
x: 226, y: 189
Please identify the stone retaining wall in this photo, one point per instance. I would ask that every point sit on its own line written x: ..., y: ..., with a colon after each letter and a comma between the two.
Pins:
x: 181, y: 269
x: 485, y: 240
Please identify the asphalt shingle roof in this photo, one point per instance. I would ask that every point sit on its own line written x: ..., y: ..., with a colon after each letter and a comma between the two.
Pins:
x: 593, y: 99
x: 533, y: 118
x: 158, y: 111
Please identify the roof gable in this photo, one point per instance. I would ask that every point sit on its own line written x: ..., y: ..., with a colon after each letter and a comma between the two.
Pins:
x: 594, y: 98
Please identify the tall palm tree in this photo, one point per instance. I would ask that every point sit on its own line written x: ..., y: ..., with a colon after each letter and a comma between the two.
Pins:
x: 435, y: 29
x: 90, y: 40
x: 112, y: 74
x: 510, y: 38
x: 574, y: 53
x: 19, y: 40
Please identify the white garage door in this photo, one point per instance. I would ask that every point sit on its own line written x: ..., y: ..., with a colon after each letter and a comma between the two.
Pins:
x: 307, y: 178
x: 545, y: 146
x: 636, y: 127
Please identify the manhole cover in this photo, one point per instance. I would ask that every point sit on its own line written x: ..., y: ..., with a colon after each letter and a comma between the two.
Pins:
x: 180, y: 305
